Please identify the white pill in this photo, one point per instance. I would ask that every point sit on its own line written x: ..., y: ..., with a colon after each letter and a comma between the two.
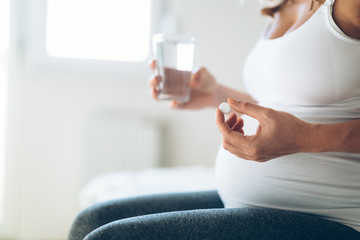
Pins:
x: 225, y: 107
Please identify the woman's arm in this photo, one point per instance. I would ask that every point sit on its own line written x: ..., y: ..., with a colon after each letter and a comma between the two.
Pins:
x: 337, y: 137
x: 205, y: 91
x: 340, y: 137
x: 281, y: 133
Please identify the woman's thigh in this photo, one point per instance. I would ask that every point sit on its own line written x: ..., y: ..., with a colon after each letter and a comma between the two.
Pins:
x: 224, y: 224
x: 107, y: 212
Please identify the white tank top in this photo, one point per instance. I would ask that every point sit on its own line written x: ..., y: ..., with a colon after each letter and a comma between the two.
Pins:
x: 312, y: 72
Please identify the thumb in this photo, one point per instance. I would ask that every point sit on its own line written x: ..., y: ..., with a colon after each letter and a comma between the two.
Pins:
x: 247, y: 108
x: 195, y: 80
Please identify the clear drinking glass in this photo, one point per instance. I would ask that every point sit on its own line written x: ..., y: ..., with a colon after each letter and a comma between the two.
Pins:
x: 174, y: 55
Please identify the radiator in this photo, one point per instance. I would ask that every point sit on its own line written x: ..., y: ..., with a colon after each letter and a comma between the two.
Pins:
x: 123, y: 143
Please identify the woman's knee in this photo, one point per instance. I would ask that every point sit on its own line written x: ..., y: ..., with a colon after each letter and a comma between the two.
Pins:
x: 98, y: 215
x: 104, y: 213
x: 92, y: 218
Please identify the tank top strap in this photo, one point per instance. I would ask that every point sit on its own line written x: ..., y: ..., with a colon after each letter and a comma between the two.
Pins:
x: 334, y: 28
x: 329, y: 2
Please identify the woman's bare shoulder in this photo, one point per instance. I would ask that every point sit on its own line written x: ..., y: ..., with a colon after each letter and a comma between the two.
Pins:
x: 347, y: 16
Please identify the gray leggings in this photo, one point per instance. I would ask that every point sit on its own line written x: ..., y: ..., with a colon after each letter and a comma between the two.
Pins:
x: 199, y: 215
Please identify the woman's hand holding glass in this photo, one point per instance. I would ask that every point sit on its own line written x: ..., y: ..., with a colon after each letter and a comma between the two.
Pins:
x: 203, y: 89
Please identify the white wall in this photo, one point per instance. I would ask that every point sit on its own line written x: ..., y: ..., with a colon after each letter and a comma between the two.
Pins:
x: 49, y: 113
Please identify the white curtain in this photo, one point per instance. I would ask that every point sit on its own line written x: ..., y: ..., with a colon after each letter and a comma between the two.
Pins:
x: 3, y: 110
x: 4, y: 43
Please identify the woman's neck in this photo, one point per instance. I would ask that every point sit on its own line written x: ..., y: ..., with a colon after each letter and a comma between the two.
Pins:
x: 291, y: 16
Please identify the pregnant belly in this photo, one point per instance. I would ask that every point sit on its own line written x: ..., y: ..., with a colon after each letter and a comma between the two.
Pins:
x: 246, y: 183
x: 297, y: 182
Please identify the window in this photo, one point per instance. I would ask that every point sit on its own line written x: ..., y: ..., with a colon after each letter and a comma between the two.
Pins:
x: 91, y: 36
x: 98, y: 29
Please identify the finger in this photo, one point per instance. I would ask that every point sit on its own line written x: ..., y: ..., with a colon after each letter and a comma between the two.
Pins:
x: 154, y: 93
x: 223, y: 127
x: 154, y: 81
x: 177, y: 105
x: 234, y: 148
x: 231, y: 120
x: 239, y: 125
x: 152, y: 64
x: 195, y: 80
x: 250, y: 109
x: 228, y: 146
x: 230, y: 137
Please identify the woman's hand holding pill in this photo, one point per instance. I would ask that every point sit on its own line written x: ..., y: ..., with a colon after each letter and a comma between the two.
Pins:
x: 234, y: 122
x: 279, y: 133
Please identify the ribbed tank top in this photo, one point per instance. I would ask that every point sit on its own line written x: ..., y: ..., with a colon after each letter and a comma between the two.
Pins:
x: 313, y: 73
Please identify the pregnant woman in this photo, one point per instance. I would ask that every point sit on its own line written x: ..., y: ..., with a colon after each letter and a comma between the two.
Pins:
x: 289, y: 164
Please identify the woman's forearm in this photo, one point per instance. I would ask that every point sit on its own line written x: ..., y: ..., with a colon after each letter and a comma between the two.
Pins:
x: 337, y: 137
x: 222, y: 93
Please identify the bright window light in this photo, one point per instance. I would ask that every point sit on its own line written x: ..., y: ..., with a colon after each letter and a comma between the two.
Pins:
x: 99, y: 29
x: 185, y: 57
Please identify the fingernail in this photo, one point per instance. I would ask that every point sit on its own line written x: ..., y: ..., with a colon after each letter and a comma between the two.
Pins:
x: 177, y: 105
x: 173, y: 105
x: 231, y: 100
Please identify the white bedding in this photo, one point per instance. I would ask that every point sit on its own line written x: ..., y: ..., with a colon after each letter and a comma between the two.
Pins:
x: 123, y: 184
